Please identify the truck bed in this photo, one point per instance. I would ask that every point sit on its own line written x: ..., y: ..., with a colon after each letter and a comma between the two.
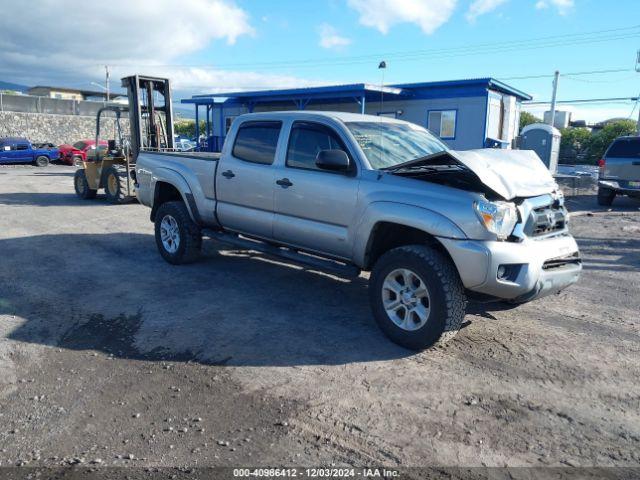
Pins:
x: 197, y: 155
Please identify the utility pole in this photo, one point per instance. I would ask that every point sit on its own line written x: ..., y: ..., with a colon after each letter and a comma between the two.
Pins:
x: 638, y: 101
x: 552, y: 116
x: 106, y: 82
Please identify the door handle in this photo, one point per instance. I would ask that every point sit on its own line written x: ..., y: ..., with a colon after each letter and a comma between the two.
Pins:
x: 284, y: 182
x: 228, y: 174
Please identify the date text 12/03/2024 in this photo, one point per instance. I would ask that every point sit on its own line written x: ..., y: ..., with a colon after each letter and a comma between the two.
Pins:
x: 316, y: 472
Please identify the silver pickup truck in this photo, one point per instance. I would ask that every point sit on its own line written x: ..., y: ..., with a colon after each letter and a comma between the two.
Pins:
x: 355, y: 192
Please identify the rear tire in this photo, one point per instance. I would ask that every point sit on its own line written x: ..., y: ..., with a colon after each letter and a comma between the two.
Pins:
x: 178, y: 238
x: 42, y: 161
x: 430, y: 305
x: 115, y: 184
x: 606, y: 196
x: 81, y: 185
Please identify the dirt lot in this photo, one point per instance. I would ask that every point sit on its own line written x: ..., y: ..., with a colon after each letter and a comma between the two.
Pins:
x: 109, y: 355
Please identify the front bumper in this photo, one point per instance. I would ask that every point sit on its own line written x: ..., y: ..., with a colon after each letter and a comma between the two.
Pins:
x: 535, y: 268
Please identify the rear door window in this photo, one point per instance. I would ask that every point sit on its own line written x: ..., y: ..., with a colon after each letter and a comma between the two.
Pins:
x: 256, y: 142
x: 625, y: 148
x: 22, y: 146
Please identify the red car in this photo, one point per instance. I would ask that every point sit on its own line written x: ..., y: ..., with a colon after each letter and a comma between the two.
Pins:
x: 76, y: 153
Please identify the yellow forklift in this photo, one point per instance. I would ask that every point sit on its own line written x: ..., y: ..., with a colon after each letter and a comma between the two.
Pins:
x: 151, y: 125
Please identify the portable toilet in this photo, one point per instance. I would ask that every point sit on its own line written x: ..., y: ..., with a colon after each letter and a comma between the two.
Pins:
x: 544, y: 140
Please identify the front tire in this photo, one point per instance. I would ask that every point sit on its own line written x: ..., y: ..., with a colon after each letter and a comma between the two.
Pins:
x: 42, y: 161
x: 606, y: 196
x: 417, y: 297
x: 178, y: 238
x: 115, y: 184
x: 81, y: 185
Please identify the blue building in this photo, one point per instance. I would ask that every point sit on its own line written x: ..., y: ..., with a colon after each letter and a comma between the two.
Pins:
x: 465, y: 114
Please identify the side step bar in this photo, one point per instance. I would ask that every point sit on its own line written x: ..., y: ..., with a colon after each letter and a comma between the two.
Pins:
x: 318, y: 263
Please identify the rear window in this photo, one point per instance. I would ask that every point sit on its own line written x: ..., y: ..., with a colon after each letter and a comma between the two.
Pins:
x: 625, y: 148
x: 256, y: 142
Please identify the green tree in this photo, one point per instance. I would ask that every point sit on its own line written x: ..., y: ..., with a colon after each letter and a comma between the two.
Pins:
x: 600, y: 141
x: 574, y: 147
x: 527, y: 118
x: 188, y: 127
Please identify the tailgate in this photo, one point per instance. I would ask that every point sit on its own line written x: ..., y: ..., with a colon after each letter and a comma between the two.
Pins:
x: 622, y: 160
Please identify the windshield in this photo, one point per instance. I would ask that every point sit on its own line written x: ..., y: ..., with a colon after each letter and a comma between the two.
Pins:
x: 387, y: 144
x: 79, y: 145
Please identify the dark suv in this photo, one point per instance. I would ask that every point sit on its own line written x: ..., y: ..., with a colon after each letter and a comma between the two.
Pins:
x: 619, y: 170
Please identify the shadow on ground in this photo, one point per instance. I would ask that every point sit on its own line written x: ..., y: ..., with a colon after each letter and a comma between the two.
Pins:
x: 113, y: 293
x: 45, y: 199
x: 589, y: 203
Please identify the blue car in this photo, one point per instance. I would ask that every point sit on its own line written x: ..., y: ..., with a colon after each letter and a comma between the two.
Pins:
x: 20, y: 150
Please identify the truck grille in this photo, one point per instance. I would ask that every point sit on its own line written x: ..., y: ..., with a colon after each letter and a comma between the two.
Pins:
x: 546, y: 220
x: 541, y: 217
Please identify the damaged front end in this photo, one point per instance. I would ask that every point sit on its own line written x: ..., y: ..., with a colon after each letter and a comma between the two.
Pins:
x: 499, y: 174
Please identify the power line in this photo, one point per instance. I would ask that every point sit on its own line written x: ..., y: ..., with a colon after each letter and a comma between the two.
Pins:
x: 587, y: 100
x: 465, y: 50
x: 572, y: 74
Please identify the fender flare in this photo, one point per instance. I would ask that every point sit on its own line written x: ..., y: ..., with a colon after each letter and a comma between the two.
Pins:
x: 173, y: 178
x: 420, y: 218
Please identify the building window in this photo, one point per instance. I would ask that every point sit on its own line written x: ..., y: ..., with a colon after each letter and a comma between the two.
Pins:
x: 443, y: 123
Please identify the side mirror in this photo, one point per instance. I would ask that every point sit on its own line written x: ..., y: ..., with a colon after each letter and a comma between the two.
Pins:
x: 334, y: 160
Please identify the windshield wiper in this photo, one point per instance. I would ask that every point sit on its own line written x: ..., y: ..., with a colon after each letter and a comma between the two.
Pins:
x: 411, y: 163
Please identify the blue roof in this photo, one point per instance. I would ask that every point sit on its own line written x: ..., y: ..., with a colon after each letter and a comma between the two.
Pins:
x: 326, y: 92
x: 488, y: 82
x: 470, y: 87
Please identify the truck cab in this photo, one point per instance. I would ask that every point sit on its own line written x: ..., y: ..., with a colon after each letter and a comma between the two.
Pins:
x: 20, y: 150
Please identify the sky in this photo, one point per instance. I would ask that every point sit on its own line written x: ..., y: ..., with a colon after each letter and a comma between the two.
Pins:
x: 208, y: 46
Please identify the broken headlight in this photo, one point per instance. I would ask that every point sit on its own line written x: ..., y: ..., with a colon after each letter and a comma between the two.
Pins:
x: 497, y: 217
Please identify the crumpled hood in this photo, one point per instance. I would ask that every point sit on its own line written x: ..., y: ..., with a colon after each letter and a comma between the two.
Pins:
x: 509, y: 173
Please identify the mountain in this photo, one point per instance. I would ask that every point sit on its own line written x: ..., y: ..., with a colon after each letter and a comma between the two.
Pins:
x: 12, y: 86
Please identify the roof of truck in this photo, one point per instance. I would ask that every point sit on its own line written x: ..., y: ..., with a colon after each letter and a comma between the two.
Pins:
x: 341, y: 116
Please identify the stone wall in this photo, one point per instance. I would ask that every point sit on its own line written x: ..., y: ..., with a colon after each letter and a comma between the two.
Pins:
x: 57, y: 129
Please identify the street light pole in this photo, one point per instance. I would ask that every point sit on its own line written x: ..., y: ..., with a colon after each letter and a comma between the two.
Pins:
x: 106, y: 70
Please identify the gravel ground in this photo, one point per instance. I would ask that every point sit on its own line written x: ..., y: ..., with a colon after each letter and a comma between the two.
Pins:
x: 110, y: 356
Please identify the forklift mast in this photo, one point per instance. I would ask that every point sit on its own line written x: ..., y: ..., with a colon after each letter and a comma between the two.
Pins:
x: 150, y: 113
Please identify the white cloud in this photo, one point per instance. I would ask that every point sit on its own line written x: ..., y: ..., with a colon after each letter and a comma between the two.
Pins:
x: 563, y: 6
x: 329, y: 37
x: 429, y: 15
x: 121, y: 29
x: 480, y: 7
x: 130, y: 36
